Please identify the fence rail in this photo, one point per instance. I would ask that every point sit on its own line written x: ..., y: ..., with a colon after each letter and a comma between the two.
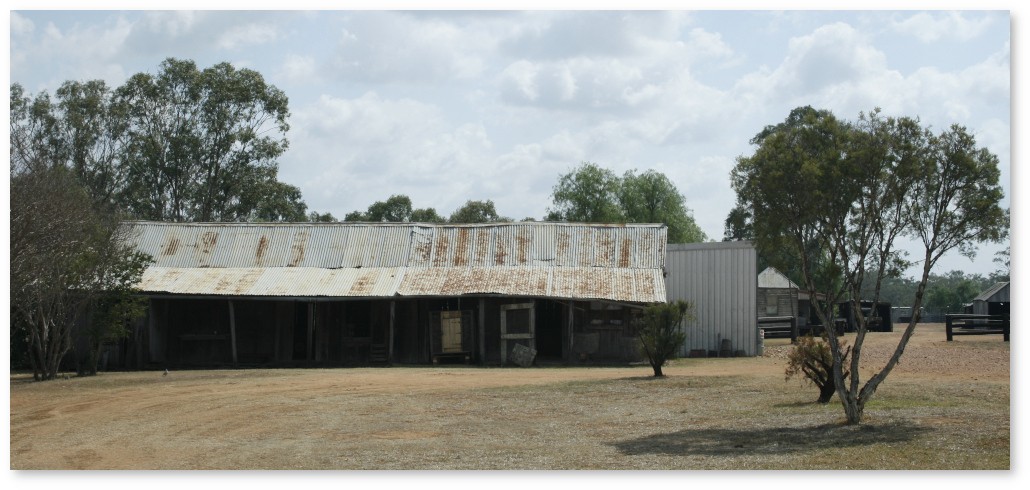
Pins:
x: 775, y: 326
x: 966, y: 324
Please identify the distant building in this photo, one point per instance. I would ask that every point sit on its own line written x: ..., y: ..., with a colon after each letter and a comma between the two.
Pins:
x: 993, y: 301
x: 779, y: 296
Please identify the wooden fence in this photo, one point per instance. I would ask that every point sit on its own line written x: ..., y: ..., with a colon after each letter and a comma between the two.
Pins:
x: 773, y: 326
x: 967, y: 324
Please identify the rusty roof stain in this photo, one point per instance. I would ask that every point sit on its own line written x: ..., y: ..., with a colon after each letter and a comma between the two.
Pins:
x: 542, y: 259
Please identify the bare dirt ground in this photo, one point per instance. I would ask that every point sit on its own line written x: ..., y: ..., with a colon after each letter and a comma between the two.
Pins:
x: 945, y: 406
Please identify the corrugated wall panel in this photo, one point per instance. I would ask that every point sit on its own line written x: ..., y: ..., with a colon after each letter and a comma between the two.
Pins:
x: 721, y: 281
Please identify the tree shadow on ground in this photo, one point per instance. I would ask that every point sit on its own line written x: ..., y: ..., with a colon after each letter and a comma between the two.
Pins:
x: 773, y: 440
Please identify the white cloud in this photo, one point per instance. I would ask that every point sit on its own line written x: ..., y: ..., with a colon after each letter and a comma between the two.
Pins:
x: 399, y: 48
x: 20, y: 25
x: 379, y: 147
x: 22, y: 29
x: 555, y: 36
x: 613, y: 63
x: 300, y: 68
x: 81, y: 52
x: 930, y: 27
x: 832, y: 54
x: 704, y: 182
x: 581, y: 84
x: 704, y: 44
x: 518, y: 82
x: 172, y: 24
x: 247, y: 35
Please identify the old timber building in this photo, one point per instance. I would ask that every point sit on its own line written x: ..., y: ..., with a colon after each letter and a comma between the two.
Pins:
x: 364, y: 293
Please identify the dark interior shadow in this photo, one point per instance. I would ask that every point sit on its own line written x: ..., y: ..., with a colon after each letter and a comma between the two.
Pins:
x: 773, y: 440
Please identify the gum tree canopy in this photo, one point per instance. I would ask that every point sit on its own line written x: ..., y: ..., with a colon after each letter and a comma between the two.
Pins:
x: 840, y: 194
x: 592, y: 194
x: 184, y: 144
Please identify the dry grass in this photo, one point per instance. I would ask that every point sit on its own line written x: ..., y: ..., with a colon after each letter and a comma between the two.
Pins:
x: 945, y: 407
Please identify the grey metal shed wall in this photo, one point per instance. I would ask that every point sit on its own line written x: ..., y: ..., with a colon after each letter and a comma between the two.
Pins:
x: 721, y: 280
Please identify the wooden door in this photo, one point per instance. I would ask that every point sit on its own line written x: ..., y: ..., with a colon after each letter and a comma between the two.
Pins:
x: 518, y: 327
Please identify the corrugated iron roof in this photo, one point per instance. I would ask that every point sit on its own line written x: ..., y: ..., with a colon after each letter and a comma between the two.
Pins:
x: 564, y: 260
x: 993, y: 290
x: 273, y: 281
x: 336, y: 245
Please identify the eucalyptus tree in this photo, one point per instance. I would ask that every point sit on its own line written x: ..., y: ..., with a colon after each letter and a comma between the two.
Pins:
x: 395, y: 209
x: 92, y: 134
x: 35, y: 140
x: 651, y: 197
x: 476, y: 212
x: 589, y: 194
x: 839, y: 195
x: 183, y: 144
x: 200, y: 141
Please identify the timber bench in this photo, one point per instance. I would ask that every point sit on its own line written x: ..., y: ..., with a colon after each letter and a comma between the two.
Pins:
x: 976, y: 325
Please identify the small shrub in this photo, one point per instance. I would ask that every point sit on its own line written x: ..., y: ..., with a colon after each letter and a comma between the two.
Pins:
x: 660, y: 333
x: 812, y: 359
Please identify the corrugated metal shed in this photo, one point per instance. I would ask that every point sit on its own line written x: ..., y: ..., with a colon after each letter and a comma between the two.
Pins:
x: 720, y: 279
x: 559, y: 260
x: 988, y: 301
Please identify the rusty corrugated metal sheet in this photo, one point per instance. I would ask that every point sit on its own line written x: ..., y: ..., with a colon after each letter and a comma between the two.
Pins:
x: 566, y: 260
x: 630, y: 285
x: 274, y: 281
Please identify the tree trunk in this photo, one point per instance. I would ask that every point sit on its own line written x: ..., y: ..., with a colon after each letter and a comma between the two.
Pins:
x: 826, y: 391
x: 853, y: 410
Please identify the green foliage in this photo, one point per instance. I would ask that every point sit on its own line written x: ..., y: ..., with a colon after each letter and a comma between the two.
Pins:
x: 660, y: 330
x: 813, y: 360
x: 277, y: 202
x: 652, y: 198
x: 592, y: 194
x: 67, y: 255
x: 116, y: 305
x: 316, y: 217
x: 588, y: 194
x: 396, y: 209
x: 792, y: 179
x: 949, y: 292
x: 184, y: 144
x: 1004, y: 259
x: 945, y: 293
x: 426, y: 215
x: 477, y: 212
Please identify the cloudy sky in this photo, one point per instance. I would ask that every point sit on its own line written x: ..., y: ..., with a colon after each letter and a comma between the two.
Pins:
x: 447, y: 106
